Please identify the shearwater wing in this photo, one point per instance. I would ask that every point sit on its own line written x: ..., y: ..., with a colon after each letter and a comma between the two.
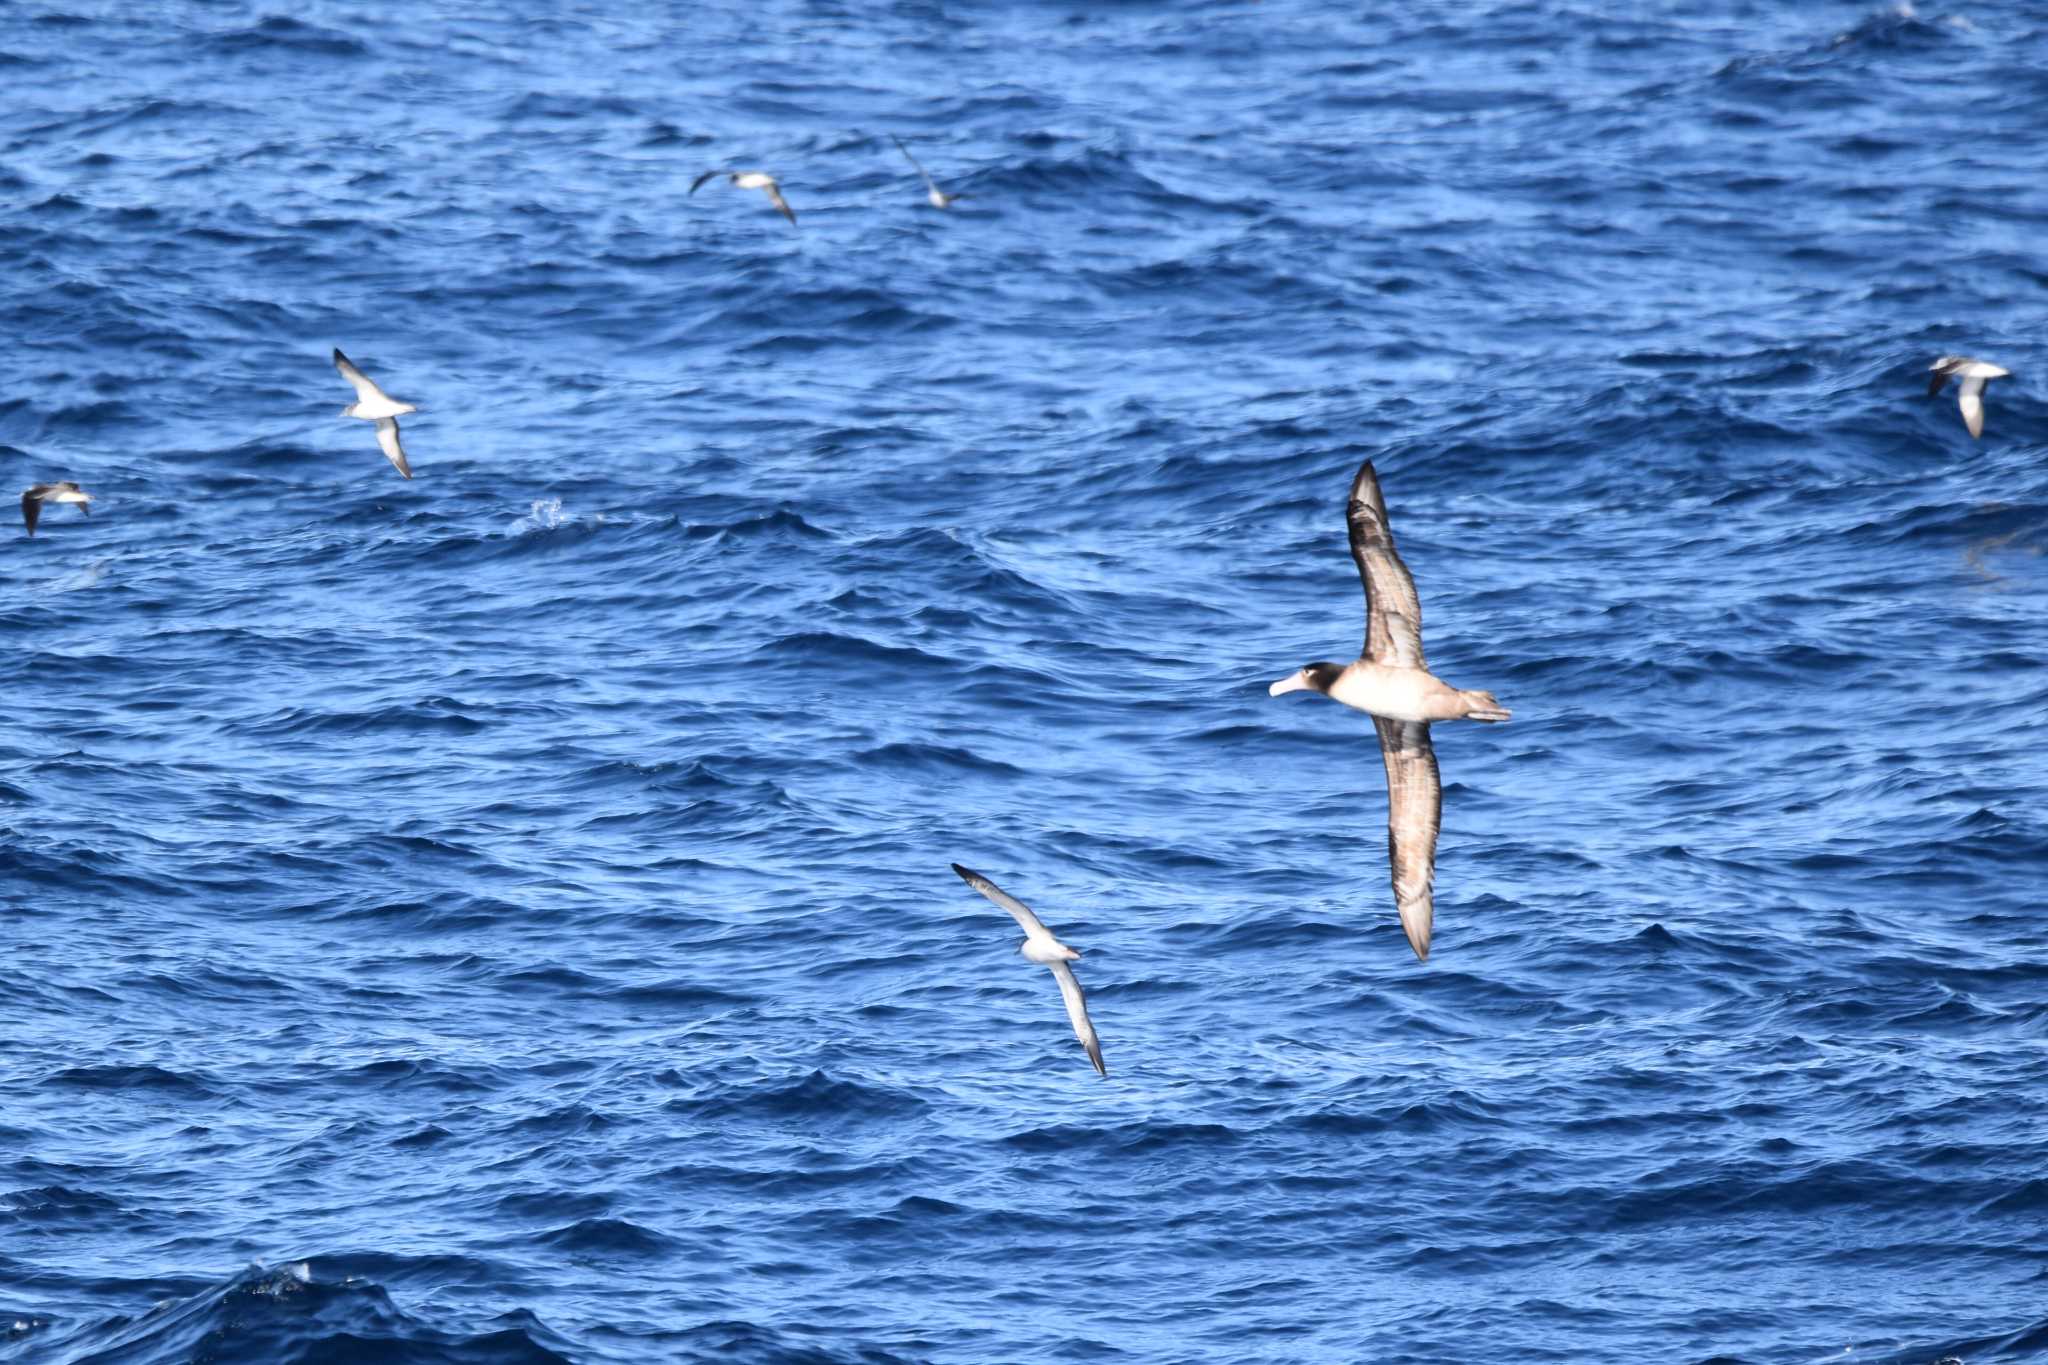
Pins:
x: 387, y: 441
x: 365, y: 387
x: 1415, y: 804
x: 1970, y: 398
x: 1393, y: 613
x: 913, y: 161
x: 1033, y: 926
x: 1077, y: 1012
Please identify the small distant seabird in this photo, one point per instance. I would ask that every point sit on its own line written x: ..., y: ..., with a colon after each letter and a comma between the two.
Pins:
x: 374, y: 405
x: 33, y: 500
x: 752, y: 180
x: 940, y: 199
x: 1040, y: 946
x: 1391, y: 683
x: 1971, y: 376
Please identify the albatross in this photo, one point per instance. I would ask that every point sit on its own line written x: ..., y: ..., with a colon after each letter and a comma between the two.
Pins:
x: 752, y: 180
x: 33, y: 500
x: 1391, y: 683
x: 1041, y: 947
x: 374, y: 405
x: 1971, y: 376
x: 940, y: 199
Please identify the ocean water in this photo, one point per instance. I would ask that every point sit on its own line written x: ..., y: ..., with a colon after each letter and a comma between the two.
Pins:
x: 505, y: 916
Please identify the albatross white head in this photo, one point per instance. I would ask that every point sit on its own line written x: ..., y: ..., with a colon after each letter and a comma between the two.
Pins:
x: 1317, y: 677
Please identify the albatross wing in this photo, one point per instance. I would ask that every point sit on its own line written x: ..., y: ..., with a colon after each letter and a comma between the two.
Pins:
x: 1077, y: 1011
x: 1393, y: 613
x: 1415, y: 804
x: 31, y: 507
x: 775, y: 198
x: 1033, y: 926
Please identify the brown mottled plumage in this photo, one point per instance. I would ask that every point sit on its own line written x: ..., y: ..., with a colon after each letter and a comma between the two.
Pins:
x: 1391, y: 683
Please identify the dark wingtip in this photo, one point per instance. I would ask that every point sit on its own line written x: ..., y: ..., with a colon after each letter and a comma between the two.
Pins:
x: 968, y: 874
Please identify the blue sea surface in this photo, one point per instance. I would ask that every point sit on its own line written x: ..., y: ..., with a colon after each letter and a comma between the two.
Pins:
x: 505, y: 916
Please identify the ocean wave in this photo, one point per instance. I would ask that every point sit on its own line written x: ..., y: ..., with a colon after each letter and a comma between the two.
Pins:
x: 292, y: 1312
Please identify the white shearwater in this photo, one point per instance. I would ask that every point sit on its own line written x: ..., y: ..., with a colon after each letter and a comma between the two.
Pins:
x: 32, y: 501
x: 752, y: 180
x: 940, y: 199
x: 1041, y: 947
x: 374, y: 405
x: 1971, y: 376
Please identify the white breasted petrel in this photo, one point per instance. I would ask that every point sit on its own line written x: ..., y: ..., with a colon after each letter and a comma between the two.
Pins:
x: 1971, y: 376
x: 940, y: 199
x: 374, y: 405
x: 752, y: 180
x: 33, y: 500
x: 1041, y: 947
x: 1391, y: 683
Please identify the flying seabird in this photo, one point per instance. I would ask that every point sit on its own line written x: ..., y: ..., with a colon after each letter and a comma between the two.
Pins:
x: 374, y: 405
x: 1971, y: 376
x: 752, y: 180
x: 939, y: 197
x: 1040, y: 946
x: 1391, y: 683
x: 33, y: 500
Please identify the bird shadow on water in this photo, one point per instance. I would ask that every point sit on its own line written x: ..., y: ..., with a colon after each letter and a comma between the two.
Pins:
x: 2022, y: 542
x: 80, y: 579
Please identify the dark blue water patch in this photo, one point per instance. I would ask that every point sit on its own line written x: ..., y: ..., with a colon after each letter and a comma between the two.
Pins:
x: 54, y: 1206
x: 126, y: 1078
x: 278, y: 34
x: 811, y: 1101
x: 287, y: 1314
x: 607, y: 1239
